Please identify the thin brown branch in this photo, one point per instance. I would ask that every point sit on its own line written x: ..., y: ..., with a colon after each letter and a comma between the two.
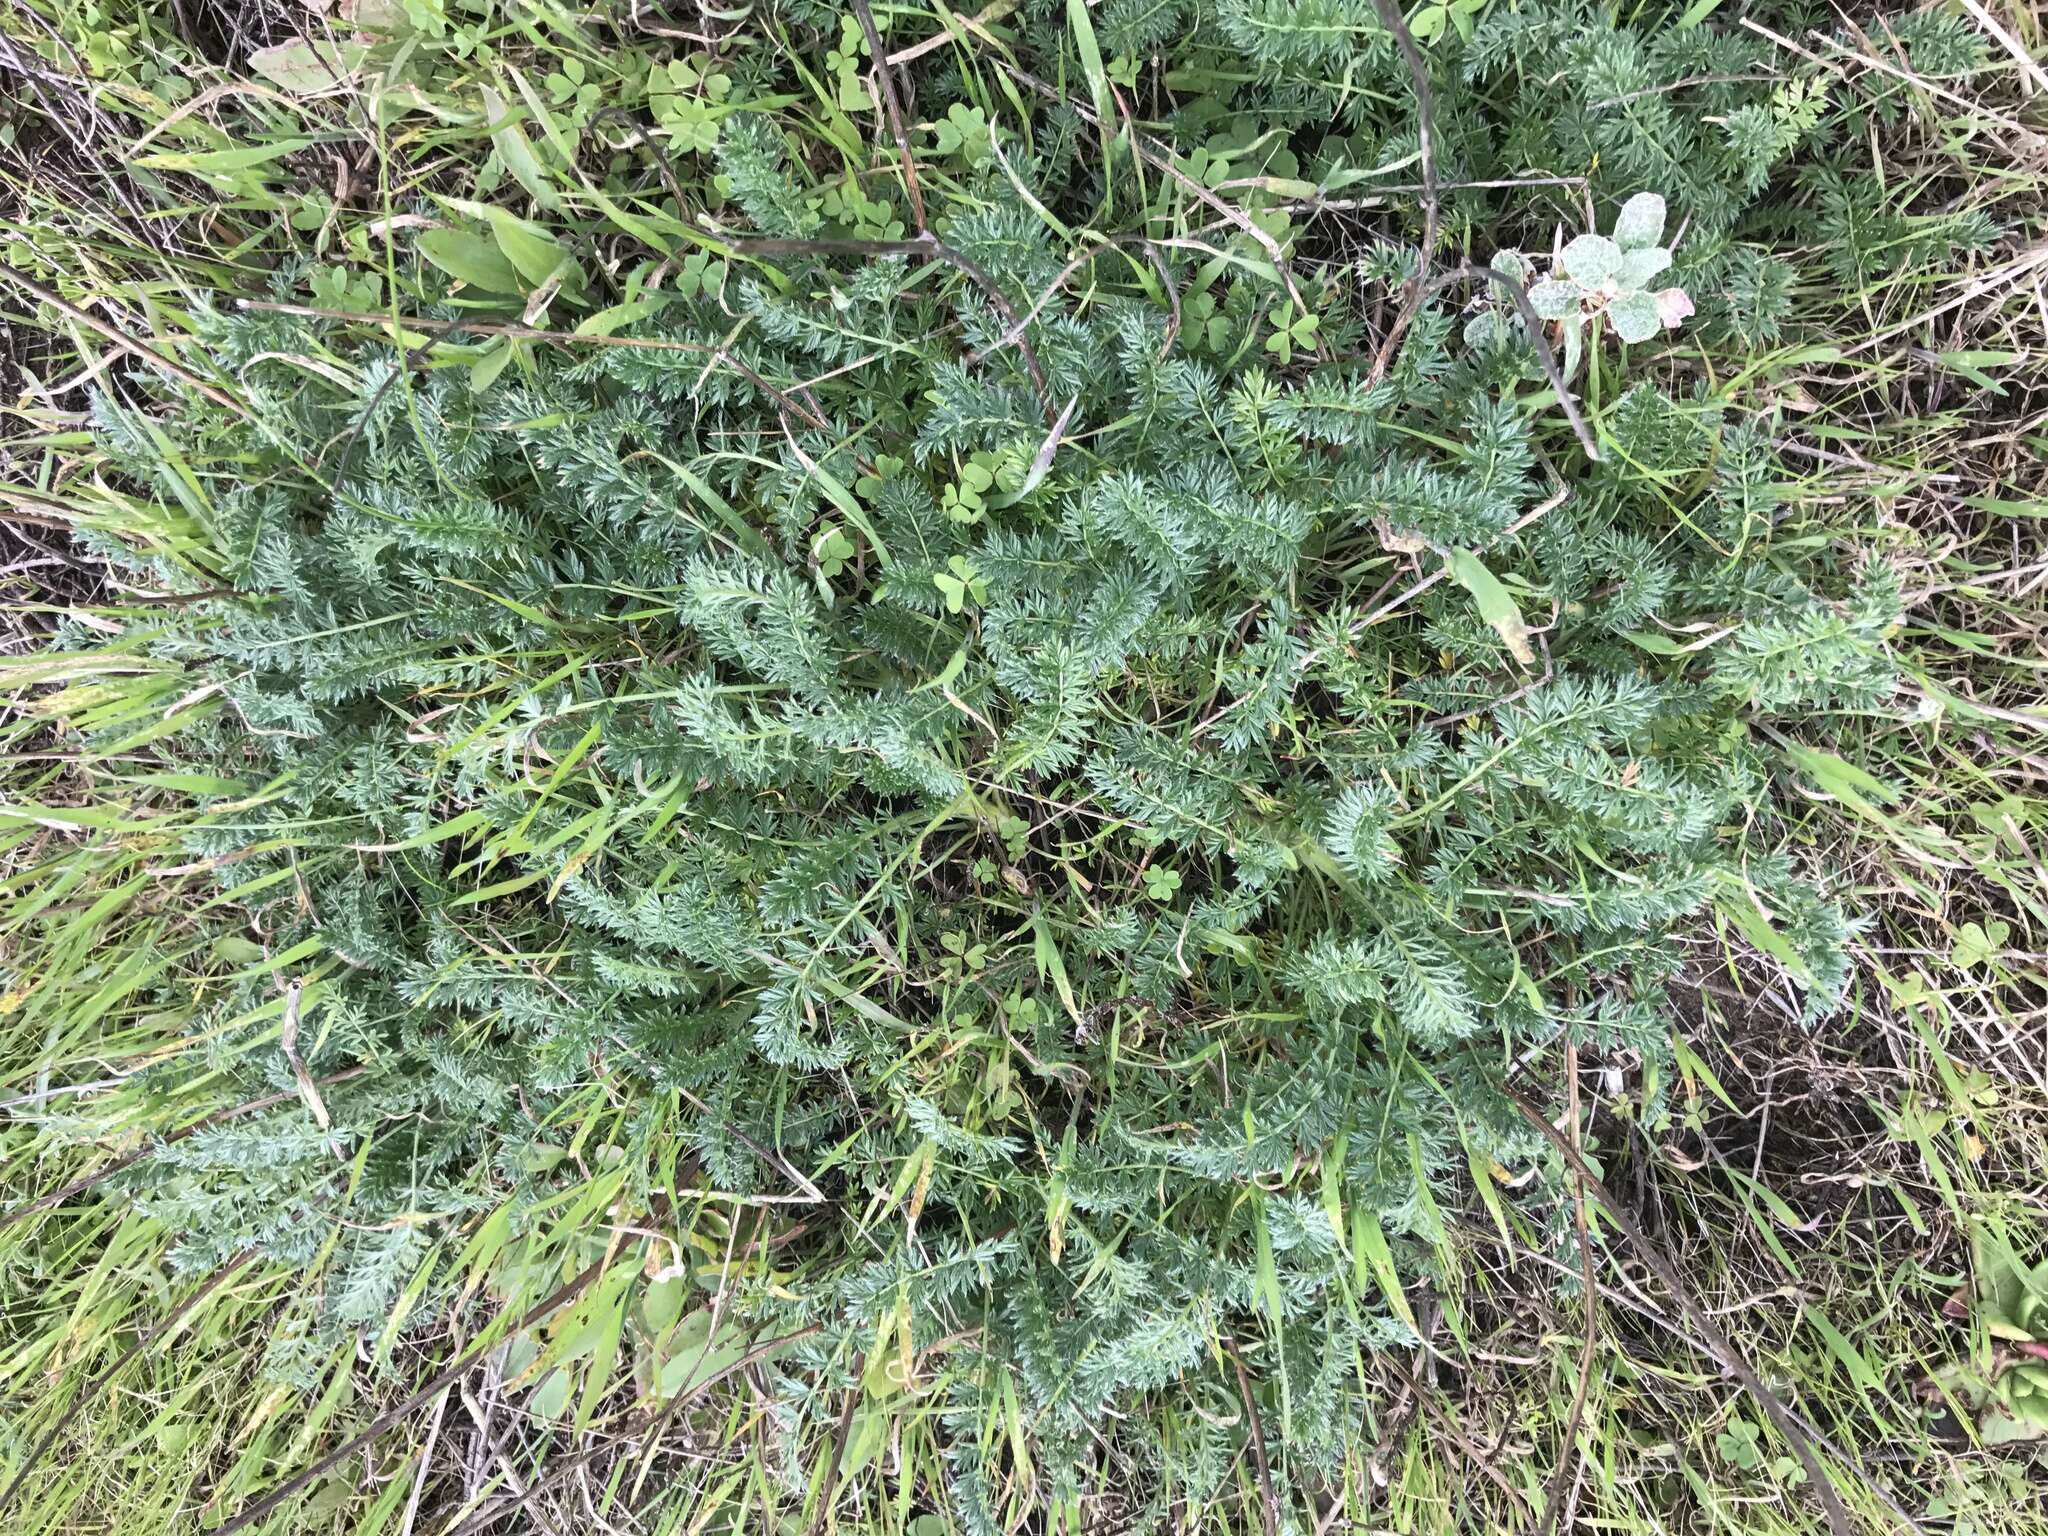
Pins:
x: 1255, y: 1431
x: 1379, y: 195
x: 1431, y: 1408
x: 1553, y: 1501
x: 556, y: 1299
x: 1445, y: 722
x: 128, y: 344
x: 812, y: 1195
x: 563, y: 1469
x: 978, y: 24
x: 1532, y: 324
x: 1683, y: 85
x: 1667, y: 1324
x: 1008, y: 311
x: 1075, y: 264
x: 1425, y: 132
x: 648, y: 142
x: 892, y: 104
x: 1417, y: 289
x: 840, y: 1434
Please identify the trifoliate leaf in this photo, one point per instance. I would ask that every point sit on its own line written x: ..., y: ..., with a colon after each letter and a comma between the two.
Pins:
x: 1978, y: 942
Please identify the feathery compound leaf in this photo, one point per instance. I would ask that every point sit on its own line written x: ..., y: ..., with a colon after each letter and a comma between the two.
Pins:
x: 1356, y: 833
x: 1427, y: 984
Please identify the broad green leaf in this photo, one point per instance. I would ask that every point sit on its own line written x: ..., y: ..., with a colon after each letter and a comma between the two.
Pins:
x: 1083, y: 27
x: 662, y: 1301
x: 1373, y: 1258
x: 308, y: 66
x: 223, y: 162
x: 1554, y: 300
x: 1267, y: 1270
x: 471, y: 260
x: 483, y: 373
x: 616, y: 317
x: 533, y: 252
x: 866, y: 1434
x: 1654, y: 643
x: 1839, y: 777
x: 550, y: 1399
x: 1741, y: 910
x: 1496, y: 605
x: 516, y: 150
x: 690, y: 1354
x: 1639, y: 268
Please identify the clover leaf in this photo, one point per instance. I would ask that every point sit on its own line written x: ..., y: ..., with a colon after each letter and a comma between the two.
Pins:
x: 960, y: 586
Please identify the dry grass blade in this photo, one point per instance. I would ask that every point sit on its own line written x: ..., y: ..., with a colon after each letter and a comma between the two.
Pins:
x: 1725, y: 1353
x: 560, y: 1297
x: 1554, y: 1501
x: 569, y: 1466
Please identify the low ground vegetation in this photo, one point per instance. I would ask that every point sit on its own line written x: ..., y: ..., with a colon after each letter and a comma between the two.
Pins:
x: 1153, y: 766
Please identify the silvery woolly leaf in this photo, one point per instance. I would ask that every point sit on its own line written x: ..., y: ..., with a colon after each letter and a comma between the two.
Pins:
x: 1641, y: 222
x: 1484, y: 329
x: 1591, y: 259
x: 1554, y: 300
x: 1514, y: 264
x: 1638, y: 267
x: 1635, y: 317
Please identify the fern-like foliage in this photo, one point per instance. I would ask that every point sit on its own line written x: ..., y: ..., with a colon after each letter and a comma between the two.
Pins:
x: 1095, y: 845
